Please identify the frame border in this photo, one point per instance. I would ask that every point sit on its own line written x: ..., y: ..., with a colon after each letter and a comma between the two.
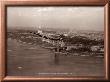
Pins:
x: 5, y: 3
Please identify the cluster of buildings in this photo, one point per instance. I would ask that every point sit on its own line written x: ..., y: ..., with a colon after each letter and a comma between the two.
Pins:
x: 57, y: 41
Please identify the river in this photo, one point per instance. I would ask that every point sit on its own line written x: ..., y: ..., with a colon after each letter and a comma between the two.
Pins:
x: 26, y: 59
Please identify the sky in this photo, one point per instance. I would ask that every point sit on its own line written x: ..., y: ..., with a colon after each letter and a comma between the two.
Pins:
x: 71, y: 17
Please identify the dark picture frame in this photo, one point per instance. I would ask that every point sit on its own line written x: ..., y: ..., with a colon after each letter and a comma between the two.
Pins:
x: 6, y: 3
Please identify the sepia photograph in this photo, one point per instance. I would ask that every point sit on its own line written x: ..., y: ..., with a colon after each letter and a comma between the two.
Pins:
x: 55, y: 41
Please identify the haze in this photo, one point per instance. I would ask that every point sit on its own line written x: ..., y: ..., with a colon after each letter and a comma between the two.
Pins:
x: 78, y: 18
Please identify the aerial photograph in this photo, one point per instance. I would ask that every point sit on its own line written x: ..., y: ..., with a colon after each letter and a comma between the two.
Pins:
x: 47, y: 41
